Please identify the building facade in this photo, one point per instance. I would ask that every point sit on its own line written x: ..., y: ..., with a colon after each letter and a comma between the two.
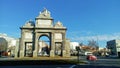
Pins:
x: 8, y: 44
x: 73, y: 45
x: 114, y: 47
x: 31, y: 34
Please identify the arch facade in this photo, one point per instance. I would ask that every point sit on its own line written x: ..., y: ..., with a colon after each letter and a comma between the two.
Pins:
x: 30, y: 34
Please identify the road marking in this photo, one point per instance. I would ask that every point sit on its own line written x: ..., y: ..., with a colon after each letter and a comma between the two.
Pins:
x: 72, y: 66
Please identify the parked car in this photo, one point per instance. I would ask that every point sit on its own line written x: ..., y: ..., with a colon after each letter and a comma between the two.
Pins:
x: 113, y: 56
x: 88, y: 53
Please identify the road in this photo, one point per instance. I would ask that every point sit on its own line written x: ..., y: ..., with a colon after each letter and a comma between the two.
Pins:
x: 106, y: 62
x: 60, y: 66
x: 102, y: 62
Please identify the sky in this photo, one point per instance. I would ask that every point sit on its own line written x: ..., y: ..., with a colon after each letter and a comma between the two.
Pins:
x: 85, y: 19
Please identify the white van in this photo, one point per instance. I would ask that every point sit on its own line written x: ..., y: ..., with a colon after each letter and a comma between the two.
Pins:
x: 88, y: 53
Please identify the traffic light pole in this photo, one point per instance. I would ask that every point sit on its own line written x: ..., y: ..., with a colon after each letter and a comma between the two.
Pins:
x: 78, y: 49
x: 78, y: 56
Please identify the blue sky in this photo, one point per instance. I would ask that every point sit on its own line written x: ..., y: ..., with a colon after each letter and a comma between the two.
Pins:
x: 84, y: 19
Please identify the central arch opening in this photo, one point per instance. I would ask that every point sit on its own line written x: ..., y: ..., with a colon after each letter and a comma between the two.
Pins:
x: 44, y: 46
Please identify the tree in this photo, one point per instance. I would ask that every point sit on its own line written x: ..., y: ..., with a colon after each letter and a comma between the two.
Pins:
x: 3, y: 44
x: 93, y: 44
x: 80, y: 44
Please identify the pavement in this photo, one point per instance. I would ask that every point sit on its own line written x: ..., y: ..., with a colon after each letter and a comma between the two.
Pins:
x: 38, y: 58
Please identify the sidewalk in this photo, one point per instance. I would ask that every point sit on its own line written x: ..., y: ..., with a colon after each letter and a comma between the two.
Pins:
x: 47, y: 58
x: 41, y: 61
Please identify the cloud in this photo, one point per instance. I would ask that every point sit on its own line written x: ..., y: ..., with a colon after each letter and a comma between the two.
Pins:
x: 85, y: 36
x: 98, y: 37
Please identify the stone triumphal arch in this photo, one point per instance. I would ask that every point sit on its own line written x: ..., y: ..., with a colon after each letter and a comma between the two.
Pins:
x: 30, y: 43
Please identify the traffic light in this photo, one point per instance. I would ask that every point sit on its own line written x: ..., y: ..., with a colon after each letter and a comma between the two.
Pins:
x: 78, y: 48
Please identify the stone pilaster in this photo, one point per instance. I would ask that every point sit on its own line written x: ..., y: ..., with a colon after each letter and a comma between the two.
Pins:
x: 52, y: 51
x: 22, y: 45
x: 21, y: 40
x: 63, y: 45
x: 63, y: 42
x: 35, y: 52
x: 17, y: 48
x: 67, y: 48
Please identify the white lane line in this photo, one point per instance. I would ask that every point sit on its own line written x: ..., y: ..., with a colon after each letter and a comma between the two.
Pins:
x: 72, y: 66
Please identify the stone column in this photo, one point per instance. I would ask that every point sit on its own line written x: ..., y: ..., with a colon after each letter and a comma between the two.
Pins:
x: 67, y: 46
x: 17, y: 48
x: 52, y: 51
x: 63, y: 45
x: 63, y: 42
x: 35, y: 52
x: 22, y: 44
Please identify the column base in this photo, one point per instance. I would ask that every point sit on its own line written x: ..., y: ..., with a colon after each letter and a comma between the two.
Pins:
x: 21, y: 54
x: 63, y: 53
x: 16, y: 54
x: 52, y: 53
x: 35, y: 54
x: 67, y: 53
